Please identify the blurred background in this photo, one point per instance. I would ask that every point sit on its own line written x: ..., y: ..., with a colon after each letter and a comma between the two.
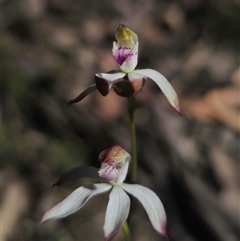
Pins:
x: 51, y: 50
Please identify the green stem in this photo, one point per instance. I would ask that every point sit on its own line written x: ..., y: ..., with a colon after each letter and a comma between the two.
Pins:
x: 126, y: 231
x: 131, y: 101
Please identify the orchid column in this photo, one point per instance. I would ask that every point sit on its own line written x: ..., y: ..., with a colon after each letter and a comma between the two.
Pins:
x: 125, y: 52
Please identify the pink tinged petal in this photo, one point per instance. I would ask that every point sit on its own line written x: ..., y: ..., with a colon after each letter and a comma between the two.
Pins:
x: 120, y: 53
x: 131, y: 61
x: 75, y: 201
x: 86, y: 92
x: 126, y: 57
x: 104, y: 81
x: 151, y: 204
x: 162, y: 83
x: 117, y: 212
x: 115, y: 163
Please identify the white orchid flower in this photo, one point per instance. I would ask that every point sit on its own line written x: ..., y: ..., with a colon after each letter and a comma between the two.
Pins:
x: 128, y: 81
x: 114, y: 168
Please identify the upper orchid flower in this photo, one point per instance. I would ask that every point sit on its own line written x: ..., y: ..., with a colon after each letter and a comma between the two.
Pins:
x: 128, y: 82
x: 114, y: 168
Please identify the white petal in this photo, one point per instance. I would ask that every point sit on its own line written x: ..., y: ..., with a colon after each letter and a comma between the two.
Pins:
x: 117, y: 212
x: 123, y: 171
x: 75, y: 201
x: 162, y: 83
x: 110, y: 78
x: 151, y: 203
x: 131, y: 61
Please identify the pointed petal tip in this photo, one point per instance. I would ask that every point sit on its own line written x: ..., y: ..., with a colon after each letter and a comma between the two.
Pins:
x: 178, y: 110
x: 176, y: 107
x: 175, y: 104
x: 162, y: 230
x: 70, y: 102
x: 43, y: 220
x: 46, y: 217
x: 109, y: 238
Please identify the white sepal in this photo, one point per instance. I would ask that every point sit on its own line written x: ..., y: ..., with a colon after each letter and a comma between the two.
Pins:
x: 75, y: 201
x: 117, y: 212
x: 162, y: 83
x: 151, y: 204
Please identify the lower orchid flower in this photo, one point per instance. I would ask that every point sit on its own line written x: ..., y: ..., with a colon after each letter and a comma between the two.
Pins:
x: 128, y: 81
x: 114, y: 168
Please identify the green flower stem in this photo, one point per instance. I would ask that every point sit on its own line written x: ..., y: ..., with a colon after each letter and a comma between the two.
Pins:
x: 131, y: 102
x: 126, y: 231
